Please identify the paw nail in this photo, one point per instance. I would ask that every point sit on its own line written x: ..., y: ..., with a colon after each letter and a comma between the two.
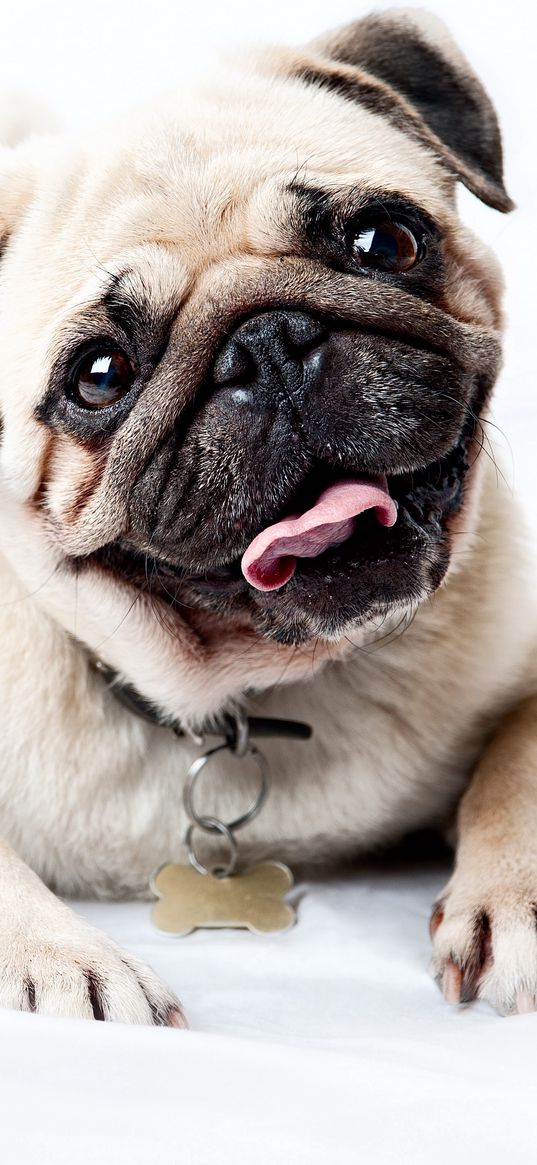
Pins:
x: 437, y: 917
x: 524, y: 1002
x: 452, y: 983
x: 175, y: 1018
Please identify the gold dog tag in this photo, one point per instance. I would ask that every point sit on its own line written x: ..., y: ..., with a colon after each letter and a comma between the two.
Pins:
x: 188, y: 900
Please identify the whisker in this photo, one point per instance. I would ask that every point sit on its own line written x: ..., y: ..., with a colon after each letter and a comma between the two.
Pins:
x: 121, y: 622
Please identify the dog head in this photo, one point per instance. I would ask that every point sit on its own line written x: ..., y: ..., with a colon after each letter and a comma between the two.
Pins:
x: 246, y: 345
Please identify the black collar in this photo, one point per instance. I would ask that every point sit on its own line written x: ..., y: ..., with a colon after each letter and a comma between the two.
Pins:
x: 226, y: 725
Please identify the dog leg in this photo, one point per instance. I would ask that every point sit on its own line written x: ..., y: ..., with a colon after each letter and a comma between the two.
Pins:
x: 484, y: 926
x: 53, y: 962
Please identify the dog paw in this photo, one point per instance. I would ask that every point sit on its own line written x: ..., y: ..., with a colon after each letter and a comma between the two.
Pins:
x: 75, y: 971
x: 485, y: 946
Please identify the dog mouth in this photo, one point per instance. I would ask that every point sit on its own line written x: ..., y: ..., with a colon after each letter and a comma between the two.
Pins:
x: 326, y: 517
x: 348, y: 547
x: 333, y: 518
x: 271, y: 559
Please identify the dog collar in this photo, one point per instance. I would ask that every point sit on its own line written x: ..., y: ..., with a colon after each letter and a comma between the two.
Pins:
x: 186, y: 902
x: 227, y: 725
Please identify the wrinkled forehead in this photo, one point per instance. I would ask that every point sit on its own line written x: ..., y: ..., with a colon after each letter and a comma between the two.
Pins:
x: 210, y: 172
x: 236, y: 144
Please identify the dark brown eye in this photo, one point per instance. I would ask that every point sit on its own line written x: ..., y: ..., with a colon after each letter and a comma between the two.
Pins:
x: 102, y: 378
x: 386, y: 246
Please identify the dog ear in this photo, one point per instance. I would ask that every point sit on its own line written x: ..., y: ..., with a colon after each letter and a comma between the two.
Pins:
x: 404, y: 65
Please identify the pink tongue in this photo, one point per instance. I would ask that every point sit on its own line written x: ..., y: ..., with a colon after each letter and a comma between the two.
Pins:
x: 270, y: 560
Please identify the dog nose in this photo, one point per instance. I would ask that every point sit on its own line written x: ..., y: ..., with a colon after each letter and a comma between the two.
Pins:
x: 268, y: 347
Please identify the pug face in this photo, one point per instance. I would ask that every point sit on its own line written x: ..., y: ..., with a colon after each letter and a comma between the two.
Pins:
x: 251, y: 309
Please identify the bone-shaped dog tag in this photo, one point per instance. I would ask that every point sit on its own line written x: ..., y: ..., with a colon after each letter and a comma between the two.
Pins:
x: 254, y: 899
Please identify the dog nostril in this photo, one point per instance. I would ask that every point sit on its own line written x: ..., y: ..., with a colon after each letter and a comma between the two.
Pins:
x: 303, y: 332
x: 265, y: 345
x: 234, y: 365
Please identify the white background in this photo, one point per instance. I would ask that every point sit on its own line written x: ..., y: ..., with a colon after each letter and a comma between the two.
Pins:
x: 329, y: 1044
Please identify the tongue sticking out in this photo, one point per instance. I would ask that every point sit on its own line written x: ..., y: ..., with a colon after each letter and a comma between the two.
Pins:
x: 270, y: 560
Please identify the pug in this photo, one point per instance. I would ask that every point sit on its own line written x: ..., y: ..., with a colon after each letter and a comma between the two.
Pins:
x: 248, y: 350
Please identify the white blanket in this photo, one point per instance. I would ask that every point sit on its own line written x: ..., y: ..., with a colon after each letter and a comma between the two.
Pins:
x: 328, y: 1044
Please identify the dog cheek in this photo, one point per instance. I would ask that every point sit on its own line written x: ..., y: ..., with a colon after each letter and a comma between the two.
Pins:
x: 474, y: 280
x: 71, y: 478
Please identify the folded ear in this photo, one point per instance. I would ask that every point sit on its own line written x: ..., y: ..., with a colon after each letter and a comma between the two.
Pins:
x: 404, y: 65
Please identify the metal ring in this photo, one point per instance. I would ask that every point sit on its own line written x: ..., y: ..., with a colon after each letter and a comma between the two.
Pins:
x: 242, y: 735
x: 253, y: 809
x: 213, y: 825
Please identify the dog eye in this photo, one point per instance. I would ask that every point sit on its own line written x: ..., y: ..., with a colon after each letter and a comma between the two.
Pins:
x: 386, y: 246
x: 101, y: 378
